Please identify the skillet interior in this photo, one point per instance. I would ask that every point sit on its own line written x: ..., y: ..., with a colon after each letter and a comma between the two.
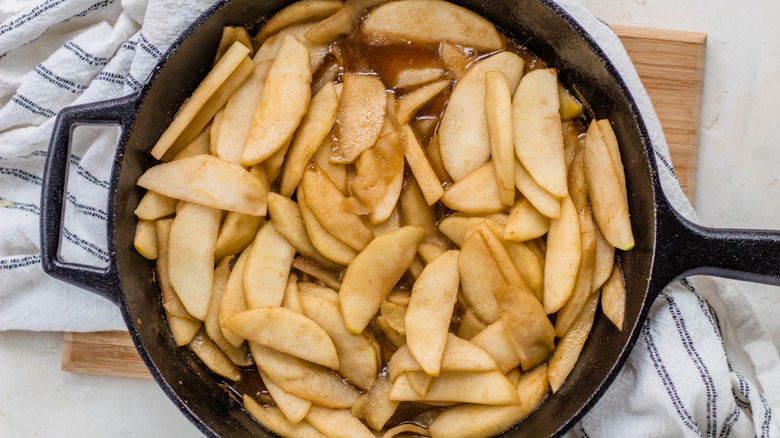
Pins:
x: 532, y: 23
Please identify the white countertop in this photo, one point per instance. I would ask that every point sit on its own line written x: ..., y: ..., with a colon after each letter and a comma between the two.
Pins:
x: 737, y: 186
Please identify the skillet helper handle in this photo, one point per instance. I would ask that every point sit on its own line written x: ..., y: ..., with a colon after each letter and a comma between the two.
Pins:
x: 690, y: 249
x: 102, y: 280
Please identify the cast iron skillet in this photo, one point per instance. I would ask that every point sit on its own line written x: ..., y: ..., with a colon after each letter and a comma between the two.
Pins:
x: 667, y: 246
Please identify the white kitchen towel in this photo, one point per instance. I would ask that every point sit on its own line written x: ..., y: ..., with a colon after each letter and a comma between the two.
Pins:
x: 703, y: 366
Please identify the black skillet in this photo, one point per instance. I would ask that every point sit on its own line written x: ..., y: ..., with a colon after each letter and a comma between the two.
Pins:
x: 667, y: 246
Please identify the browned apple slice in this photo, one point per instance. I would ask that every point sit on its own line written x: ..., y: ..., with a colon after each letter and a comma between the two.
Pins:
x: 379, y: 408
x: 457, y: 226
x: 569, y: 347
x: 498, y: 110
x: 431, y: 22
x: 340, y: 23
x: 239, y: 356
x: 299, y: 12
x: 213, y: 357
x: 430, y: 310
x: 482, y: 421
x: 360, y: 117
x: 379, y: 176
x: 326, y: 202
x: 605, y: 259
x: 267, y: 268
x: 357, y: 357
x: 607, y: 195
x: 459, y: 355
x: 191, y: 256
x: 564, y: 251
x: 238, y: 230
x: 463, y: 131
x: 364, y: 287
x: 476, y: 193
x: 314, y: 128
x: 455, y: 58
x: 470, y: 325
x: 209, y: 181
x: 286, y: 331
x: 495, y: 341
x: 283, y: 103
x: 526, y: 325
x: 288, y: 221
x: 415, y: 76
x: 528, y: 264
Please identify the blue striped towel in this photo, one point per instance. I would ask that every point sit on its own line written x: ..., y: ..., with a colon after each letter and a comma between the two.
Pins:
x: 703, y: 366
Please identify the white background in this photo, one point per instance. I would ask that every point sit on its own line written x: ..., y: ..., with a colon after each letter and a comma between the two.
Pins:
x: 737, y: 186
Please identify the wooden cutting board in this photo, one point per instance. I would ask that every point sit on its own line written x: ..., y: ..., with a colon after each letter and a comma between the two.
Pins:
x: 670, y: 65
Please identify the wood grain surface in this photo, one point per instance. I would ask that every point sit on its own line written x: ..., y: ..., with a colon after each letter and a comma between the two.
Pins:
x: 671, y: 67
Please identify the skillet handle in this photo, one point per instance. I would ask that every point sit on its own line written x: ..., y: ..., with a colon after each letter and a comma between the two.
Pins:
x: 103, y: 281
x: 685, y: 249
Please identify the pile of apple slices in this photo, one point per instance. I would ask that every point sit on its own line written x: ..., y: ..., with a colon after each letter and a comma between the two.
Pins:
x: 299, y: 225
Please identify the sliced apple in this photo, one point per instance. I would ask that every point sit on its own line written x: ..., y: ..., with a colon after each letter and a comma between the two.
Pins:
x: 428, y: 315
x: 328, y: 276
x: 569, y: 347
x: 583, y: 286
x: 569, y: 107
x: 267, y: 267
x: 498, y: 110
x: 304, y: 379
x: 273, y: 418
x: 379, y: 176
x: 231, y: 34
x: 238, y: 230
x: 525, y: 222
x: 423, y: 172
x: 270, y: 48
x: 607, y: 195
x: 470, y: 325
x: 237, y: 115
x: 292, y: 298
x: 463, y: 132
x: 482, y: 421
x: 364, y: 287
x: 342, y: 22
x: 191, y: 256
x: 538, y: 134
x: 294, y: 408
x: 199, y: 146
x: 430, y: 22
x: 613, y: 297
x: 337, y: 423
x: 546, y: 203
x: 233, y: 299
x: 528, y: 265
x: 314, y: 129
x: 476, y: 193
x: 209, y: 181
x: 495, y: 341
x: 360, y: 116
x: 239, y: 356
x: 486, y: 388
x: 457, y: 226
x: 288, y: 221
x: 299, y: 12
x: 357, y: 358
x: 605, y: 259
x: 327, y: 244
x: 414, y: 77
x: 283, y: 102
x: 455, y: 58
x: 459, y: 355
x: 326, y: 202
x: 213, y: 81
x: 527, y: 326
x: 562, y: 261
x: 336, y: 172
x: 379, y: 408
x: 479, y: 276
x: 408, y: 105
x: 208, y: 352
x: 145, y: 240
x: 154, y: 206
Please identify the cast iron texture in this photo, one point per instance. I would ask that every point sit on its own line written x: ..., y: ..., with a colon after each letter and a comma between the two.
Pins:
x: 667, y: 246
